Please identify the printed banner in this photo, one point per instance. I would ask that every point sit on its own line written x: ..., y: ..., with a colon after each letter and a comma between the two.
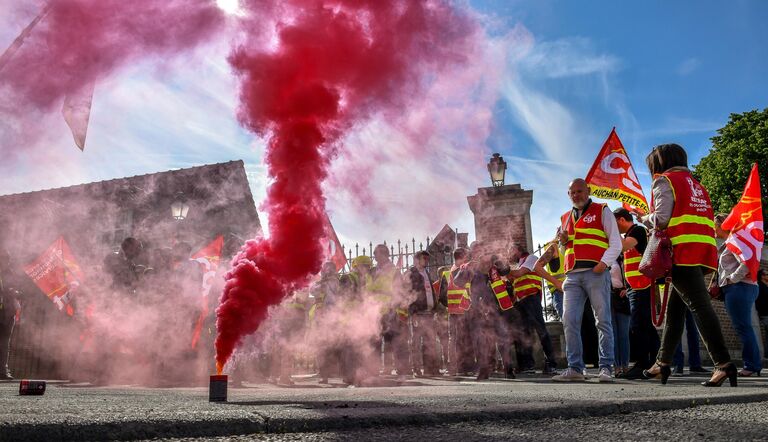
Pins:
x: 613, y: 177
x: 209, y: 257
x: 57, y: 274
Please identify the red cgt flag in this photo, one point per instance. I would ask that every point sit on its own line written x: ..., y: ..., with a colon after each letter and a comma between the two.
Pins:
x: 209, y: 257
x: 745, y: 222
x: 335, y: 252
x: 57, y: 274
x: 613, y: 177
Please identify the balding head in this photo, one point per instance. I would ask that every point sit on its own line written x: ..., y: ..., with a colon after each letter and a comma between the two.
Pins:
x: 578, y: 191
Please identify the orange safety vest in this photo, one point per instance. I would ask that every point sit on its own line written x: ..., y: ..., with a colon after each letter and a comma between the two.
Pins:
x: 632, y: 274
x: 587, y: 240
x: 458, y: 297
x: 691, y: 228
x: 500, y: 289
x: 528, y: 284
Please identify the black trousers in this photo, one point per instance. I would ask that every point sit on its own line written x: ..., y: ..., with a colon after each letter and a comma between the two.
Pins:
x: 533, y: 317
x: 460, y: 351
x: 394, y: 338
x: 643, y: 335
x: 689, y: 291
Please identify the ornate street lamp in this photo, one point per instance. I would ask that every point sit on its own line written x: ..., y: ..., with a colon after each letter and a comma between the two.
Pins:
x: 497, y: 168
x: 179, y: 208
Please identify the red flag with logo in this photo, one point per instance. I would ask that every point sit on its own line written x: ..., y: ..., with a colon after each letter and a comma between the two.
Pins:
x: 745, y: 222
x: 57, y: 274
x: 208, y: 257
x: 335, y: 252
x: 613, y: 177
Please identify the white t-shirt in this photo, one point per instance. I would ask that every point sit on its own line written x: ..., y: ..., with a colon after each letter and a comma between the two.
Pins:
x: 529, y: 262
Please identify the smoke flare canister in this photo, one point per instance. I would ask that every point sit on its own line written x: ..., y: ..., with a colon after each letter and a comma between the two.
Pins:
x: 217, y: 391
x: 31, y: 388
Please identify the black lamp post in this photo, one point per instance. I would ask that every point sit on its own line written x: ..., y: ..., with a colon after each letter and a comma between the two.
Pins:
x: 497, y: 168
x: 179, y: 208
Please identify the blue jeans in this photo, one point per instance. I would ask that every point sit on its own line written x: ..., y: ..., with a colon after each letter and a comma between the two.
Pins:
x: 694, y: 350
x: 557, y: 301
x: 739, y: 303
x: 578, y: 287
x: 620, y: 322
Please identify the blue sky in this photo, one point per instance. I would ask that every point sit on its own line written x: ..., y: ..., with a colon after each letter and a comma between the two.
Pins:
x: 564, y: 73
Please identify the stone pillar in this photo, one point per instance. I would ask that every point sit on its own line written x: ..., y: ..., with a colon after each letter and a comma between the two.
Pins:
x: 503, y: 214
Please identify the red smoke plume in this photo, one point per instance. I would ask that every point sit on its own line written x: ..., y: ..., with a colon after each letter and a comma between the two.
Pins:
x: 331, y: 64
x: 78, y: 42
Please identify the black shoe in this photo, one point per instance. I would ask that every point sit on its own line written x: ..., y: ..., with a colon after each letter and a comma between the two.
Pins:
x: 8, y: 377
x: 549, y: 370
x: 510, y: 374
x: 663, y: 373
x: 699, y: 370
x: 483, y: 374
x: 729, y: 372
x: 636, y: 372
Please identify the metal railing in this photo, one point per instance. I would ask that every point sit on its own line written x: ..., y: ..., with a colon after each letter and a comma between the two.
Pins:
x: 401, y: 254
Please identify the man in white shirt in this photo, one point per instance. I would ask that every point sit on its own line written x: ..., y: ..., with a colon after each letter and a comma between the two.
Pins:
x: 592, y: 243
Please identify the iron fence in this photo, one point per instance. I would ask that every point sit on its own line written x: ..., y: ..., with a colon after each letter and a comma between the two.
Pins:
x: 401, y: 255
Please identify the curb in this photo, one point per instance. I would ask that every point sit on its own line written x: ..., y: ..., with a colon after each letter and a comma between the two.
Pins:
x: 259, y: 423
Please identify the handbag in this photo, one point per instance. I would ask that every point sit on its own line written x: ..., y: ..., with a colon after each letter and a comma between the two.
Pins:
x: 715, y: 292
x: 657, y: 258
x: 657, y: 264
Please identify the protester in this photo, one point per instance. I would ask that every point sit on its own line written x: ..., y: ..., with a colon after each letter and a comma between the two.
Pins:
x: 324, y: 297
x: 457, y: 299
x: 682, y: 207
x: 694, y: 349
x: 485, y: 303
x: 527, y: 283
x: 644, y: 337
x: 740, y: 289
x: 592, y: 243
x: 552, y: 263
x: 762, y: 305
x: 422, y: 311
x: 385, y: 286
x: 620, y: 320
x: 10, y: 305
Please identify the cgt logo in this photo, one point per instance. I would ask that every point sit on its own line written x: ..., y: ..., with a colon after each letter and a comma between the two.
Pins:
x: 624, y: 168
x: 696, y: 190
x: 590, y: 218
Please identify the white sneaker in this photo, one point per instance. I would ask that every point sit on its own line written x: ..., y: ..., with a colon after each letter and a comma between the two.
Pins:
x: 569, y: 375
x: 604, y: 375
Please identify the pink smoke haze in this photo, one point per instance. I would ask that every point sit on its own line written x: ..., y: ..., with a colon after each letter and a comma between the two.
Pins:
x: 331, y: 65
x: 82, y: 41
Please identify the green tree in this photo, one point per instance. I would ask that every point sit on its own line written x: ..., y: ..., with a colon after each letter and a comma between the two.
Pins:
x: 724, y: 171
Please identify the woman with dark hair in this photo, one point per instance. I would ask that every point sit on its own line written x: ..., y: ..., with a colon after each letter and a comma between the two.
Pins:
x: 740, y: 289
x: 681, y: 206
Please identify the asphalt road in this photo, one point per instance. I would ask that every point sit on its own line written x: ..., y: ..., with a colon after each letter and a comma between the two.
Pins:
x: 308, y: 410
x: 743, y: 422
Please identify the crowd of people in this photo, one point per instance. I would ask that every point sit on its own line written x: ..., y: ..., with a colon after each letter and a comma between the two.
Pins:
x: 483, y: 313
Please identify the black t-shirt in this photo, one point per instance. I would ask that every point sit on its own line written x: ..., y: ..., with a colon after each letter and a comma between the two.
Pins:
x: 641, y: 235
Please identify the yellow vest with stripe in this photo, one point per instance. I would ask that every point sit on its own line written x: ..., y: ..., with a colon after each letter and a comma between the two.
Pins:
x: 587, y: 240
